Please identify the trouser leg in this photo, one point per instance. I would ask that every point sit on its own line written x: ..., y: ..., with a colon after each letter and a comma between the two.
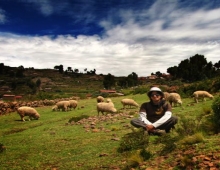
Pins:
x: 169, y: 124
x: 138, y: 123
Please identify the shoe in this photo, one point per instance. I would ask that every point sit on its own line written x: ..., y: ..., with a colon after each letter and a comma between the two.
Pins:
x: 159, y: 132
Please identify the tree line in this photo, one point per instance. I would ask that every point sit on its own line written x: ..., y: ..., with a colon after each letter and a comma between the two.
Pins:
x: 193, y: 69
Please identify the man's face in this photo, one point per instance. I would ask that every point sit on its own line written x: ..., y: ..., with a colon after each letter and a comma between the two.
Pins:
x: 155, y: 96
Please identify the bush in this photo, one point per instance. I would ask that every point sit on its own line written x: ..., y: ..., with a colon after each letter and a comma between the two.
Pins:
x: 133, y: 141
x: 216, y: 113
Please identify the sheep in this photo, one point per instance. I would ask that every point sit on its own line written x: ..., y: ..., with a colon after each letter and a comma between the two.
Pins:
x: 64, y: 105
x: 100, y: 99
x: 129, y: 102
x: 105, y: 107
x: 54, y: 108
x: 202, y: 95
x: 28, y: 111
x: 110, y: 102
x: 73, y: 104
x: 166, y: 95
x: 174, y: 98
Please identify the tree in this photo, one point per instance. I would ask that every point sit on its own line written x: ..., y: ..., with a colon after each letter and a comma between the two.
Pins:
x: 20, y: 71
x: 109, y: 81
x: 217, y: 65
x: 38, y: 83
x: 132, y: 79
x: 60, y: 68
x: 76, y: 70
x: 173, y: 71
x: 1, y: 68
x: 193, y: 69
x: 69, y: 69
x: 158, y: 74
x: 56, y: 67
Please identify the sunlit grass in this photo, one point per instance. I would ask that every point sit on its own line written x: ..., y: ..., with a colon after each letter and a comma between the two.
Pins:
x: 53, y: 142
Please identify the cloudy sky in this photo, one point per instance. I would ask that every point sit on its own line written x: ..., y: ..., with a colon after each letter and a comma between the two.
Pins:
x: 112, y: 36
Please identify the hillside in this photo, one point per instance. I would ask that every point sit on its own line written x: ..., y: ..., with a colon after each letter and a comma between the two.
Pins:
x: 51, y: 81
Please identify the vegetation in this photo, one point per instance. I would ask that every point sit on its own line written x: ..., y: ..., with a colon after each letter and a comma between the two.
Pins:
x: 195, y: 68
x: 78, y: 139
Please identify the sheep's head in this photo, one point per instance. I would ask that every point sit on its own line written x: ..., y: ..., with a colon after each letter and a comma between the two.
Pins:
x: 36, y: 116
x: 179, y: 101
x: 211, y: 97
x: 113, y: 110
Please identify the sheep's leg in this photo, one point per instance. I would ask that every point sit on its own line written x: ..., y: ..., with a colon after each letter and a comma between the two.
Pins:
x: 30, y: 118
x: 22, y: 118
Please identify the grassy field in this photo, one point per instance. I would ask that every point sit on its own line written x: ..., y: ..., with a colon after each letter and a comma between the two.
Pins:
x: 53, y: 143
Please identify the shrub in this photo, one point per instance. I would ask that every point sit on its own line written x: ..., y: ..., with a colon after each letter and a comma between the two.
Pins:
x: 216, y: 113
x: 133, y: 141
x: 196, y: 138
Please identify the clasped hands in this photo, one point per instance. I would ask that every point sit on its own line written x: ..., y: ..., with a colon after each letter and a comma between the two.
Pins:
x: 150, y: 128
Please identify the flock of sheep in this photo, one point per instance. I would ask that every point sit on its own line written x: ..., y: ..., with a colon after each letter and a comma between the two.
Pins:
x: 108, y: 106
x: 33, y: 114
x: 175, y: 99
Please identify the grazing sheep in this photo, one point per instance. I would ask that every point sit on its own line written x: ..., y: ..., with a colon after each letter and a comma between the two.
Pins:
x: 64, y: 105
x: 202, y: 95
x: 129, y: 102
x: 54, y: 108
x: 100, y: 99
x: 174, y: 98
x: 105, y: 107
x: 28, y: 111
x: 110, y: 102
x: 73, y: 104
x: 166, y: 95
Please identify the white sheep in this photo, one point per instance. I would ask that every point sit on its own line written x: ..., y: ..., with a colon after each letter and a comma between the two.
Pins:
x: 174, y: 98
x: 129, y: 102
x: 105, y: 107
x: 166, y: 95
x: 28, y: 111
x: 100, y: 99
x: 64, y: 105
x: 110, y: 102
x: 54, y: 108
x: 73, y: 104
x: 202, y: 95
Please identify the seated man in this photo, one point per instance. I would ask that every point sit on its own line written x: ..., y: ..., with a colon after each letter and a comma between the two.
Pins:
x: 155, y: 116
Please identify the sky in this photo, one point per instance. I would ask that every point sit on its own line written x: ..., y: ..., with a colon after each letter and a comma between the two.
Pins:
x: 115, y: 37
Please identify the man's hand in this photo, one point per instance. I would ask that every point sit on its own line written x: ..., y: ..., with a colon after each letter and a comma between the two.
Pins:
x: 150, y: 128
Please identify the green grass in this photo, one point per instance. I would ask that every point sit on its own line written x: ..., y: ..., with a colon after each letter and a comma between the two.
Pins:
x: 53, y: 143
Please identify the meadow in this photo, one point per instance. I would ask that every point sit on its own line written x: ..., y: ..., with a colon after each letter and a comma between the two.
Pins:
x: 55, y: 143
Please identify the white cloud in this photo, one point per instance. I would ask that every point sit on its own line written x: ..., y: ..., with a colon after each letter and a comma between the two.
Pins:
x: 2, y: 16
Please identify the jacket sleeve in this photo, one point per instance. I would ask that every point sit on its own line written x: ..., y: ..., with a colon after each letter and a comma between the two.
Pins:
x: 143, y: 118
x: 163, y: 119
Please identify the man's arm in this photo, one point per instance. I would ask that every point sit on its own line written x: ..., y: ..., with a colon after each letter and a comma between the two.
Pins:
x: 163, y: 119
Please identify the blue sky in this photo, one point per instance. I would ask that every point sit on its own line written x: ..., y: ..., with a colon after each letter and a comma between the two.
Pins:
x: 113, y: 36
